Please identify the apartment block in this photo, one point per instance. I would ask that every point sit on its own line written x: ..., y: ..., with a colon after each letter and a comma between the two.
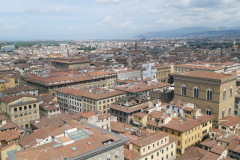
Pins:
x: 21, y: 109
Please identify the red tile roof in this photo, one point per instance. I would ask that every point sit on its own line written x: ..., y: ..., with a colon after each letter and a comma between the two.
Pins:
x: 206, y: 74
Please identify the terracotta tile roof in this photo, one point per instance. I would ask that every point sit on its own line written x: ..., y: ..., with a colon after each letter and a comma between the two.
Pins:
x: 190, y: 109
x: 18, y: 89
x: 10, y: 98
x: 100, y: 73
x: 9, y: 135
x: 210, y: 155
x: 178, y: 104
x: 209, y: 143
x: 155, y: 114
x: 129, y: 109
x: 64, y: 139
x: 206, y: 74
x: 61, y: 78
x: 234, y: 146
x: 194, y: 153
x: 48, y: 107
x: 205, y: 118
x: 199, y: 67
x: 182, y: 125
x: 82, y: 146
x: 129, y: 70
x: 218, y: 149
x: 30, y: 140
x: 129, y: 136
x: 140, y: 114
x: 92, y: 95
x: 46, y: 97
x: 131, y: 154
x: 229, y: 138
x: 153, y: 123
x: 88, y: 114
x: 54, y: 121
x: 143, y: 141
x: 120, y: 127
x: 9, y: 125
x: 218, y: 131
x: 69, y: 61
x: 139, y: 87
x: 229, y: 121
x: 104, y: 116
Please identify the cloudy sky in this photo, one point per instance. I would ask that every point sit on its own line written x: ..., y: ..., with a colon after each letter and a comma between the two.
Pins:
x: 101, y: 19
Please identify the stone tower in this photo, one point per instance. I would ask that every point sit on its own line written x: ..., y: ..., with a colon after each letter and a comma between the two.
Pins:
x: 129, y: 60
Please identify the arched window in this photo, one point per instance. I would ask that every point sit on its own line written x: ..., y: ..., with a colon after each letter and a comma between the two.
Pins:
x: 224, y: 94
x: 209, y: 94
x: 229, y: 110
x: 195, y: 92
x: 109, y: 157
x: 223, y: 113
x: 116, y: 154
x: 231, y: 90
x: 208, y: 112
x: 184, y: 89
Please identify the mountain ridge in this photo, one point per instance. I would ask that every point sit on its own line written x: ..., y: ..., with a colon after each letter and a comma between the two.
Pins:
x: 191, y: 32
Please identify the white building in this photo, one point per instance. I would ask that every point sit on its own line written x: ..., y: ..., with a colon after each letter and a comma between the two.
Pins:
x: 149, y: 70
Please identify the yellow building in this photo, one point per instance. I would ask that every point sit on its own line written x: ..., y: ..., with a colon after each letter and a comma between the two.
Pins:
x: 2, y: 84
x: 52, y: 55
x: 229, y: 124
x: 140, y: 118
x: 100, y: 102
x: 158, y: 145
x: 212, y: 92
x: 189, y: 131
x: 69, y: 63
x: 10, y: 147
x: 163, y: 73
x: 21, y: 109
x: 11, y: 81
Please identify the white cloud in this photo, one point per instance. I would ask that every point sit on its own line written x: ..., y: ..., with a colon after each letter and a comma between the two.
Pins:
x: 125, y: 24
x: 164, y: 21
x: 123, y: 17
x: 153, y: 11
x: 107, y: 1
x: 110, y: 22
x: 107, y: 22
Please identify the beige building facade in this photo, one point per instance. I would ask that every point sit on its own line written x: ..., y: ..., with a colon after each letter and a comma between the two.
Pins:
x: 213, y: 93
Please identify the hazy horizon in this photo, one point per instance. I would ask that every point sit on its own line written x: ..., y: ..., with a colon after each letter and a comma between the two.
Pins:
x: 109, y: 19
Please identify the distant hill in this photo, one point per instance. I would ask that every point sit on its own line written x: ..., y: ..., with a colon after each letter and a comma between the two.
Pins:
x: 193, y: 32
x: 206, y: 34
